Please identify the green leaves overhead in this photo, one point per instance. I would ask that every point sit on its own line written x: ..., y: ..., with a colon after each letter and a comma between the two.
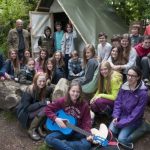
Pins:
x: 131, y: 10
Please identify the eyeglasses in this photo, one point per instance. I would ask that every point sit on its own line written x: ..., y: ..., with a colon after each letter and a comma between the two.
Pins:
x: 131, y: 76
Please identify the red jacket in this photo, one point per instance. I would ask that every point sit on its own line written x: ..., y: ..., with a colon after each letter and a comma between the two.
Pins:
x: 80, y: 111
x: 141, y: 51
x: 147, y: 30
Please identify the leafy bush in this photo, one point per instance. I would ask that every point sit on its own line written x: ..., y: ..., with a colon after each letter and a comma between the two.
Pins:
x: 10, y: 11
x: 131, y: 10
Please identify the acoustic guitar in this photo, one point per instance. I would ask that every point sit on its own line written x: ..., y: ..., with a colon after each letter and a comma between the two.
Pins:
x: 71, y: 122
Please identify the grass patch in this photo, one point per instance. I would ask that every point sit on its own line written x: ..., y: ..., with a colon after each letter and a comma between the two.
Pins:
x: 10, y: 116
x: 44, y: 147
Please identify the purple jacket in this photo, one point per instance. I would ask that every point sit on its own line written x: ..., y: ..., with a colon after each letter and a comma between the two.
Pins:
x: 80, y: 111
x: 130, y: 105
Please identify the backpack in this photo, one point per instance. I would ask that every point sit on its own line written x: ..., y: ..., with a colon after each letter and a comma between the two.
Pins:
x: 91, y: 87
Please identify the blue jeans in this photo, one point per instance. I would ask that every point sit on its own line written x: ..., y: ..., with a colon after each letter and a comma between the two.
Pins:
x: 60, y: 141
x: 123, y: 133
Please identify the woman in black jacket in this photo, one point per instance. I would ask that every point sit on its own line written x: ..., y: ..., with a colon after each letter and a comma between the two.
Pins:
x: 33, y: 102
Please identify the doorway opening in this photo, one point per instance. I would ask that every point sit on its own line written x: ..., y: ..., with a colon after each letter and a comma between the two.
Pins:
x: 61, y: 17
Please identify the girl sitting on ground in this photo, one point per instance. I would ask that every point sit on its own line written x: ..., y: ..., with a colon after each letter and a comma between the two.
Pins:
x: 90, y: 64
x: 11, y: 68
x: 116, y: 58
x: 108, y: 87
x: 73, y: 105
x: 129, y: 107
x: 129, y: 54
x: 59, y: 66
x: 30, y: 111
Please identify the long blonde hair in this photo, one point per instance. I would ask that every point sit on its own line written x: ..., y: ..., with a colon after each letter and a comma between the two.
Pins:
x: 101, y: 87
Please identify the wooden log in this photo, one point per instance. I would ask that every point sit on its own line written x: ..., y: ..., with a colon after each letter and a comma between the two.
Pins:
x: 60, y: 89
x: 10, y: 93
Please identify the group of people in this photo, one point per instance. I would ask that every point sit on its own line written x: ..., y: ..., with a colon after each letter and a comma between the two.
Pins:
x: 112, y: 73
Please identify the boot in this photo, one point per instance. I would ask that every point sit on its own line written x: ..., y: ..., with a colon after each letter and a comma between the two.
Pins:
x: 41, y: 132
x: 144, y: 128
x: 32, y: 130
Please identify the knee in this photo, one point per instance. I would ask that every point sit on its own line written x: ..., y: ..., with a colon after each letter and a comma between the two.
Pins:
x: 122, y: 139
x: 144, y: 60
x: 113, y: 129
x: 48, y: 139
x: 85, y: 144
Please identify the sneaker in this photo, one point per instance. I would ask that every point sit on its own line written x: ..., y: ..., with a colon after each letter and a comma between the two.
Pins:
x: 146, y: 80
x: 128, y: 146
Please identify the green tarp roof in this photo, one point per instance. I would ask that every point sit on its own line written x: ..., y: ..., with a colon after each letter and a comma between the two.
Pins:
x: 91, y: 17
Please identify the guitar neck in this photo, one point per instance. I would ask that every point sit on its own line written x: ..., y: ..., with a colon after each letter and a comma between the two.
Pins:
x: 77, y: 129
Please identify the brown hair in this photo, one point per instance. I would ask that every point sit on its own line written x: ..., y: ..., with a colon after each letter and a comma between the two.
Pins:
x: 47, y: 28
x: 41, y: 61
x: 31, y: 59
x: 115, y: 37
x: 126, y: 51
x: 16, y: 63
x: 33, y: 88
x: 88, y: 47
x: 102, y: 34
x: 69, y: 25
x: 101, y: 87
x: 119, y: 60
x: 49, y: 72
x: 68, y: 98
x: 136, y: 26
x: 74, y: 53
x: 61, y: 61
x: 25, y: 60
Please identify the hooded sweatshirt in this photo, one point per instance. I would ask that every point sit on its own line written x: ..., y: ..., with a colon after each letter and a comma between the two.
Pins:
x: 80, y: 111
x: 130, y: 105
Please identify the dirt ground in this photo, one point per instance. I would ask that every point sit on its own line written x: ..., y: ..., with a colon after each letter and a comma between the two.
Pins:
x: 13, y: 137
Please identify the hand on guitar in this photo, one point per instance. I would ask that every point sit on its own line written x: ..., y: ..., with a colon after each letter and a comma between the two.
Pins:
x: 90, y: 138
x: 60, y: 123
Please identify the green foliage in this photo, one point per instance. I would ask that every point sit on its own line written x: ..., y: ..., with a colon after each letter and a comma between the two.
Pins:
x: 10, y: 11
x: 44, y: 147
x: 131, y: 10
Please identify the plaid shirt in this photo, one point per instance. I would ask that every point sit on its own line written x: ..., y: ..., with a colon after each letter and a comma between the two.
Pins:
x: 75, y: 67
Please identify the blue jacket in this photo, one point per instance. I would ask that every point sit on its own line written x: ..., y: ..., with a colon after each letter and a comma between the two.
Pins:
x: 8, y: 68
x: 130, y: 105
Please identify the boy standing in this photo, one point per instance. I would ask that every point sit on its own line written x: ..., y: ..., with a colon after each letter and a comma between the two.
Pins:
x: 58, y: 35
